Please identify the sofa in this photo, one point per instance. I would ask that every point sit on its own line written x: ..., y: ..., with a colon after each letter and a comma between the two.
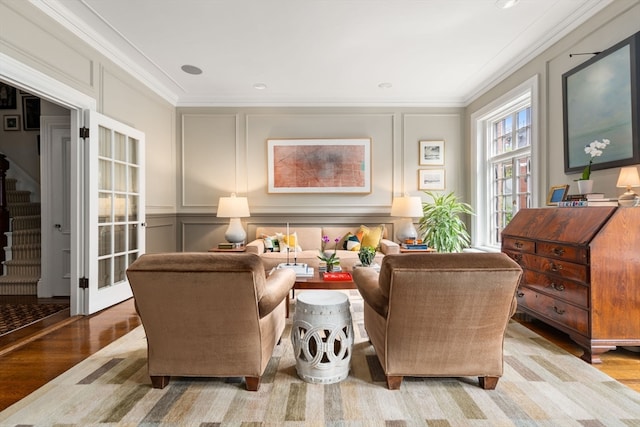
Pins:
x: 308, y: 243
x: 440, y: 315
x: 209, y: 314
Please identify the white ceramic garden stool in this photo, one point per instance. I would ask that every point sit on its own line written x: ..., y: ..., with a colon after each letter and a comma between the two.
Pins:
x: 322, y: 336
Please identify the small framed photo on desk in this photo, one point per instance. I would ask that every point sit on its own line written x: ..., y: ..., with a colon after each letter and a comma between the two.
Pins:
x: 557, y: 194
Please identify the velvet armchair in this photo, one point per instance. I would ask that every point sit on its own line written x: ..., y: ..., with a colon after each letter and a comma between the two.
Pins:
x: 439, y: 315
x: 209, y: 314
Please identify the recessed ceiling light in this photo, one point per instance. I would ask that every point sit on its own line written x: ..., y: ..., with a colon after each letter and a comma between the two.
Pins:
x: 506, y: 4
x: 259, y: 86
x: 385, y: 85
x: 191, y: 69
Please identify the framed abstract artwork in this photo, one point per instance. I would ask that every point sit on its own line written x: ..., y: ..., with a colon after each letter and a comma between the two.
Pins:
x: 319, y: 165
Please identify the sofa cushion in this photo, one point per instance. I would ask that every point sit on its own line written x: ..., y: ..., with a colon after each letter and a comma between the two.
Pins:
x: 372, y: 235
x: 289, y: 242
x: 308, y: 238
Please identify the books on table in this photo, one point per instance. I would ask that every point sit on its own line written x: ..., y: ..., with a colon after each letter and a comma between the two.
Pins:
x: 301, y: 269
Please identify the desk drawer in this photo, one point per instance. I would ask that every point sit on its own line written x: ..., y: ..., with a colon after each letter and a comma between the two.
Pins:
x: 558, y: 288
x: 557, y: 310
x: 569, y: 253
x: 518, y: 244
x: 564, y: 269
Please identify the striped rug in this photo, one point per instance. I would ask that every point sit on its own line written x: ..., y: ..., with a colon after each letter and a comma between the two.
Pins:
x: 542, y: 386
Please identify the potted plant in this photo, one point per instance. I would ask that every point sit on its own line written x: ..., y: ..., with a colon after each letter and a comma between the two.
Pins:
x: 441, y: 225
x: 330, y: 258
x: 366, y: 254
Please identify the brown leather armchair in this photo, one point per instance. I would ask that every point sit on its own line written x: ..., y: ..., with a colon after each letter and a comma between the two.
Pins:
x: 439, y: 315
x: 209, y: 314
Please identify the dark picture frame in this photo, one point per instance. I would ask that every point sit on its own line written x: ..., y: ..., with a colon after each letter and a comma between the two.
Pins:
x: 600, y: 101
x: 557, y: 194
x: 8, y: 97
x: 31, y: 112
x: 11, y: 122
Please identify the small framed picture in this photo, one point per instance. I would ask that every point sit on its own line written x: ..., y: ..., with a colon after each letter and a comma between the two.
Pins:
x: 31, y: 112
x: 557, y: 194
x: 11, y: 122
x: 431, y: 179
x: 431, y: 153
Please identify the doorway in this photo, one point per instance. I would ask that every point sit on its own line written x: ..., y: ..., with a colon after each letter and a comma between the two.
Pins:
x: 106, y: 192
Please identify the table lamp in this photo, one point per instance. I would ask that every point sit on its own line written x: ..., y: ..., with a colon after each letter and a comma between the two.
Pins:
x: 234, y: 208
x: 628, y: 178
x: 406, y: 208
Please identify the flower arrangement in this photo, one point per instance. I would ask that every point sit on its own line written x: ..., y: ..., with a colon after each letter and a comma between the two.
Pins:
x: 594, y: 149
x: 330, y: 258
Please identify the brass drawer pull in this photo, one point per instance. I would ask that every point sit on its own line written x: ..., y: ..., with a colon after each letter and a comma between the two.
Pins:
x: 518, y: 245
x: 558, y: 251
x: 557, y: 310
x: 555, y: 267
x: 517, y: 257
x: 520, y: 294
x: 559, y: 288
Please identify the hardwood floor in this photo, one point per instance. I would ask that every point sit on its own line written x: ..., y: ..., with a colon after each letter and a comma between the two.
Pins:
x: 52, y: 348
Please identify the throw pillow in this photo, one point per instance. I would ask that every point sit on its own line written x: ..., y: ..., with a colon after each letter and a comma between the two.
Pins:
x: 372, y: 236
x: 289, y: 242
x: 351, y: 242
x: 270, y: 243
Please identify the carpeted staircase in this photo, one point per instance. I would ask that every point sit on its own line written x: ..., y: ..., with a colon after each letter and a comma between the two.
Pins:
x: 22, y: 268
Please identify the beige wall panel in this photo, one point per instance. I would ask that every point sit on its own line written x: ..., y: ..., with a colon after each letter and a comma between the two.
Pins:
x: 160, y: 233
x: 209, y: 159
x: 597, y: 40
x: 125, y: 101
x: 30, y: 35
x: 377, y: 126
x: 201, y: 234
x: 434, y: 127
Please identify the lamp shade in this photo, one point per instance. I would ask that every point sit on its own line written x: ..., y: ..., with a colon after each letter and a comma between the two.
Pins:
x: 406, y: 207
x: 628, y: 177
x: 233, y: 207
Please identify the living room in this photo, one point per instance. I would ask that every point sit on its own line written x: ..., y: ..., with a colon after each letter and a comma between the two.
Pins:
x: 183, y: 185
x: 196, y: 154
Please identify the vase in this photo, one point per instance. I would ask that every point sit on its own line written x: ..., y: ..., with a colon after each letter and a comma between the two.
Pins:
x: 585, y: 186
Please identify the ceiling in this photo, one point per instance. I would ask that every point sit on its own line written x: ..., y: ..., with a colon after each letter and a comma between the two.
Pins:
x: 320, y: 52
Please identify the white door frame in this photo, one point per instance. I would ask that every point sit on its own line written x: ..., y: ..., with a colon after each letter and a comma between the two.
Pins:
x: 39, y: 84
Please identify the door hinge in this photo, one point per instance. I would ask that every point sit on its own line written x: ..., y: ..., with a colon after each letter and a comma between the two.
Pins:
x: 84, y: 132
x: 83, y: 283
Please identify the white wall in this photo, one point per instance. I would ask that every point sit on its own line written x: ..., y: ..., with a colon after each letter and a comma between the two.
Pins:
x: 35, y: 40
x: 616, y: 22
x: 32, y: 38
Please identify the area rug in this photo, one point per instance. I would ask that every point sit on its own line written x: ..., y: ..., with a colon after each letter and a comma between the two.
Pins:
x: 542, y: 386
x: 16, y: 316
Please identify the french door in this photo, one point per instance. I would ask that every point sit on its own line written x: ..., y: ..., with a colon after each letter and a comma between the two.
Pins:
x: 114, y: 213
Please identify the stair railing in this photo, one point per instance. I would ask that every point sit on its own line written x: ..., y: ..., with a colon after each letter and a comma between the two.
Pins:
x: 4, y: 212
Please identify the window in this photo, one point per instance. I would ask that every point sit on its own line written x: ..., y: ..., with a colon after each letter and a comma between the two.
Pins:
x: 509, y: 163
x: 503, y: 150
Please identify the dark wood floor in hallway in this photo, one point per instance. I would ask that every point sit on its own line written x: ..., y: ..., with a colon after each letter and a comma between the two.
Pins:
x: 39, y: 354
